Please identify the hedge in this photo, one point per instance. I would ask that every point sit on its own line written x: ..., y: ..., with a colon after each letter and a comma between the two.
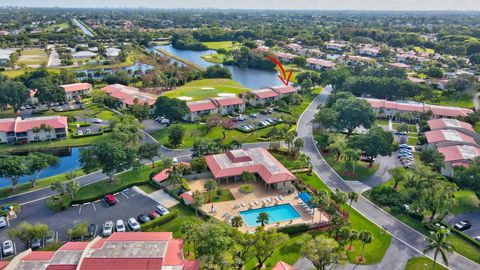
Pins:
x: 465, y: 237
x: 99, y: 196
x: 159, y: 221
x: 294, y: 229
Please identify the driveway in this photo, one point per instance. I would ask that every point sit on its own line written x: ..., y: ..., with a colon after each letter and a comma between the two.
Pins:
x: 130, y: 204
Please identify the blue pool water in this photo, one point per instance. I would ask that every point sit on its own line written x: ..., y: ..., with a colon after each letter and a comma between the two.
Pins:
x: 277, y: 213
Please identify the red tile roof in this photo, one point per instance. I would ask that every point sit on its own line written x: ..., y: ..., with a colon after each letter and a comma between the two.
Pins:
x: 121, y: 263
x: 202, y: 105
x: 285, y: 89
x: 74, y: 246
x: 265, y: 93
x: 39, y: 256
x: 284, y: 266
x: 99, y: 243
x: 444, y: 135
x: 76, y: 87
x: 321, y: 62
x: 128, y: 95
x: 174, y: 253
x: 140, y: 236
x: 187, y: 196
x: 399, y: 65
x: 61, y: 267
x: 459, y: 153
x: 227, y: 101
x: 446, y: 123
x: 7, y: 124
x: 23, y: 125
x: 161, y: 176
x: 262, y: 162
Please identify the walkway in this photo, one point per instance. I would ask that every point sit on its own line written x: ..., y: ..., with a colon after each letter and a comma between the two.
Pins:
x: 406, y: 238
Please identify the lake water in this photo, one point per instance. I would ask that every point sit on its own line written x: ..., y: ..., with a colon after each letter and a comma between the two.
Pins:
x: 69, y: 160
x: 248, y: 77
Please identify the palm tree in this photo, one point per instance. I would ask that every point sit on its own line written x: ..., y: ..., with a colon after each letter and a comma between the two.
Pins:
x: 188, y: 229
x: 365, y: 237
x: 353, y: 197
x: 197, y: 201
x: 263, y: 218
x: 438, y: 243
x: 174, y: 177
x: 339, y: 197
x: 338, y: 145
x: 209, y: 186
x: 320, y: 200
x: 353, y: 237
x: 237, y: 222
x: 352, y: 155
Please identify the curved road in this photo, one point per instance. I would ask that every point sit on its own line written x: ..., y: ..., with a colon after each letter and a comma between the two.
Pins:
x: 406, y: 241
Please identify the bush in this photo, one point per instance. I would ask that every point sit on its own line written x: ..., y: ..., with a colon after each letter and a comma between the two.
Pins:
x: 185, y: 185
x: 294, y: 229
x: 387, y: 196
x: 97, y: 196
x: 415, y: 215
x: 159, y: 221
x: 246, y: 188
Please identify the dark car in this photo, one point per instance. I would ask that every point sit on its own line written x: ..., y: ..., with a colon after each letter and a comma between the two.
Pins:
x: 91, y: 230
x: 143, y: 219
x: 35, y: 243
x: 153, y: 215
x: 463, y: 225
x: 110, y: 199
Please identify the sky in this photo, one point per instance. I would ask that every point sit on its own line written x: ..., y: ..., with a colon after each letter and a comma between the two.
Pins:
x: 260, y: 4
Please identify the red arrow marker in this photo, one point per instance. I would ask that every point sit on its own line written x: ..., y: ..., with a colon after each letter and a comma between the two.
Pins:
x: 284, y: 79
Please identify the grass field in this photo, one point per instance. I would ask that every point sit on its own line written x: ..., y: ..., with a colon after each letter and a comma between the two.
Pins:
x: 206, y: 88
x: 422, y: 263
x: 225, y: 195
x: 215, y: 45
x: 362, y: 169
x: 33, y: 57
x: 465, y: 101
x: 147, y: 188
x: 214, y: 58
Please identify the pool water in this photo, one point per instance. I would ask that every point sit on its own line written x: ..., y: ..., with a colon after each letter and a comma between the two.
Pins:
x: 277, y: 213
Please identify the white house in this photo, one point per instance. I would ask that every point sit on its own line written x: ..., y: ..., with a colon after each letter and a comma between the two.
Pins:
x: 320, y: 64
x: 84, y: 55
x: 112, y: 52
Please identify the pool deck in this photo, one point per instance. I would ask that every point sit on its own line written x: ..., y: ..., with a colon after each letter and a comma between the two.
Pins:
x: 259, y: 195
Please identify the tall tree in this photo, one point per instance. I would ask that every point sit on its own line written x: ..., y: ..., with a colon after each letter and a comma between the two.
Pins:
x: 175, y: 134
x: 197, y: 201
x: 237, y: 222
x: 210, y: 186
x: 37, y: 162
x: 375, y: 142
x: 25, y: 231
x: 323, y: 252
x: 337, y: 144
x: 265, y: 244
x: 12, y: 168
x: 72, y: 187
x: 263, y: 218
x: 173, y: 109
x: 439, y: 244
x: 366, y: 238
x: 126, y: 130
x: 353, y: 197
x: 48, y: 91
x: 174, y: 177
x: 244, y: 247
x: 399, y: 174
x: 353, y: 113
x: 189, y: 229
x: 13, y: 93
x: 149, y: 151
x: 432, y: 158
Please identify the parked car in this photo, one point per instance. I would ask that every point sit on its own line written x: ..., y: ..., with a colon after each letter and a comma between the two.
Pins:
x: 161, y: 210
x: 175, y: 161
x: 88, y: 131
x: 405, y: 146
x: 79, y: 132
x: 405, y: 155
x: 401, y: 133
x: 35, y: 243
x: 110, y: 199
x: 463, y: 225
x: 246, y: 127
x: 253, y: 115
x: 240, y: 118
x: 22, y: 108
x: 107, y: 228
x: 7, y: 248
x: 165, y: 121
x: 159, y: 119
x: 477, y: 238
x: 133, y: 224
x: 153, y: 215
x: 3, y: 222
x: 28, y: 107
x: 143, y: 218
x: 97, y: 120
x: 50, y: 239
x: 92, y: 228
x: 119, y: 226
x: 262, y: 123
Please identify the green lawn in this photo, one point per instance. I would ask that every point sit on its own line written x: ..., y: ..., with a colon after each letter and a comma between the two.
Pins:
x: 185, y: 214
x: 215, y: 45
x: 41, y: 183
x: 411, y: 128
x: 382, y: 122
x: 33, y: 57
x: 33, y: 51
x: 422, y: 263
x: 214, y: 58
x: 147, y: 188
x: 467, y: 202
x: 226, y: 195
x: 201, y: 89
x: 465, y: 101
x: 362, y: 169
x: 290, y: 162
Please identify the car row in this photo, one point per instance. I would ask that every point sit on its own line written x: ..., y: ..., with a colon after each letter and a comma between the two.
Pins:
x: 163, y: 120
x: 463, y: 225
x: 406, y: 156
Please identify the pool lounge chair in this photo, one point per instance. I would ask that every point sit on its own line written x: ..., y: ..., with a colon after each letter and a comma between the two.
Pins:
x: 242, y: 204
x: 269, y: 200
x: 281, y: 198
x: 255, y: 202
x: 251, y: 204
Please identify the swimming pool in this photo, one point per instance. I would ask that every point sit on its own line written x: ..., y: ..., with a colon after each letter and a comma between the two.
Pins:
x: 276, y: 213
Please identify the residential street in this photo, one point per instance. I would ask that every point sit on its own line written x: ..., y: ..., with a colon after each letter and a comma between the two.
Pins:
x: 406, y: 237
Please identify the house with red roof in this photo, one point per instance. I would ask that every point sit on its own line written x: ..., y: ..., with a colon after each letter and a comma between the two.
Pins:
x: 229, y: 104
x: 25, y: 130
x: 229, y: 166
x: 200, y: 108
x: 161, y: 177
x: 285, y: 57
x: 400, y: 66
x: 457, y: 155
x: 285, y: 90
x: 320, y: 64
x: 76, y: 90
x: 336, y: 45
x: 284, y: 266
x: 187, y: 197
x: 370, y: 51
x: 127, y: 96
x: 453, y: 124
x: 359, y: 60
x: 122, y: 250
x: 447, y: 137
x: 261, y: 97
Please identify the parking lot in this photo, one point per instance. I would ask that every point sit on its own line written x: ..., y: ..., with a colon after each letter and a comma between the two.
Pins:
x: 129, y: 204
x: 253, y: 121
x: 474, y: 218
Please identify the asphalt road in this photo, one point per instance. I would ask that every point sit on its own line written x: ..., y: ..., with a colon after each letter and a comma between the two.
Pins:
x: 407, y: 240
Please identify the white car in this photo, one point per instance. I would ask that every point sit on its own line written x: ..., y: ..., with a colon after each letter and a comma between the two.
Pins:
x: 7, y: 248
x: 477, y: 238
x: 175, y: 161
x: 133, y: 224
x: 3, y: 222
x: 165, y: 121
x: 240, y: 118
x: 107, y: 228
x: 161, y: 210
x: 97, y: 121
x: 120, y: 226
x: 79, y: 132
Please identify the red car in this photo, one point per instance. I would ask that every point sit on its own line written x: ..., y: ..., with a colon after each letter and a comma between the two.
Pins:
x: 110, y: 199
x: 153, y: 215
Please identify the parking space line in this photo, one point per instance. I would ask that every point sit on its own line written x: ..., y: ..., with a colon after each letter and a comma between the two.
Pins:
x: 124, y: 194
x: 97, y: 200
x: 94, y: 208
x: 80, y: 209
x: 105, y: 203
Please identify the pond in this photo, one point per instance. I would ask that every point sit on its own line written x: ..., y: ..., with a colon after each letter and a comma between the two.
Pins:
x: 69, y: 160
x: 248, y: 77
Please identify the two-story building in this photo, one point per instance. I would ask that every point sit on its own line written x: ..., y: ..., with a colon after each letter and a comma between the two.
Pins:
x: 127, y: 96
x: 76, y: 90
x: 18, y: 130
x: 200, y: 108
x: 320, y: 64
x: 227, y: 105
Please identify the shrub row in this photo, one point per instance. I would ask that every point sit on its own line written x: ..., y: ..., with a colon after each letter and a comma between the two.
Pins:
x: 294, y: 229
x: 466, y: 237
x: 101, y: 195
x: 160, y: 221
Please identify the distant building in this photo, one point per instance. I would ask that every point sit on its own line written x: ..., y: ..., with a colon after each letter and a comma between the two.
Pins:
x: 200, y: 108
x: 76, y: 90
x: 400, y: 66
x: 261, y: 97
x: 338, y: 46
x: 126, y: 96
x: 370, y: 51
x: 121, y: 250
x: 112, y: 52
x: 18, y: 130
x: 230, y: 166
x: 84, y: 55
x: 457, y: 156
x: 285, y: 57
x: 320, y: 64
x: 359, y: 60
x: 5, y: 55
x: 227, y: 105
x: 448, y: 137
